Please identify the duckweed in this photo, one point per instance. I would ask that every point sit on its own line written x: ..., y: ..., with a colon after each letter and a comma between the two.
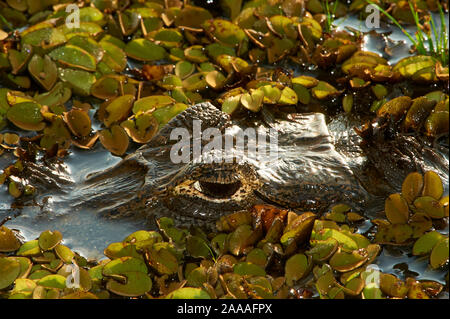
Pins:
x: 125, y: 72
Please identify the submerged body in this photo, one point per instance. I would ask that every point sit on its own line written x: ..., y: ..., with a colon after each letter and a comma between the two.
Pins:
x: 309, y: 173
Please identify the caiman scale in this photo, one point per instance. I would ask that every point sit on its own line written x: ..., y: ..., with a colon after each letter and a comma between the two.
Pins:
x: 313, y: 170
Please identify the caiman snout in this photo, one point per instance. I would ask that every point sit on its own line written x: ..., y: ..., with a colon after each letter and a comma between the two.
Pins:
x: 307, y: 173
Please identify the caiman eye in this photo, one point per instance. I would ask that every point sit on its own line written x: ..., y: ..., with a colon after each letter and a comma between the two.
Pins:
x: 218, y: 190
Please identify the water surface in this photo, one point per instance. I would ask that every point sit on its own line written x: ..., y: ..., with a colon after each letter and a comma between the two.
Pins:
x: 89, y: 234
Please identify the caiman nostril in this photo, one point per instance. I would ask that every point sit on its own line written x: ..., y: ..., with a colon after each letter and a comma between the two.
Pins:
x: 217, y: 190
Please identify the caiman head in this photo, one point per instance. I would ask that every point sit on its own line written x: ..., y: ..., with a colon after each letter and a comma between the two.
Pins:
x: 295, y: 166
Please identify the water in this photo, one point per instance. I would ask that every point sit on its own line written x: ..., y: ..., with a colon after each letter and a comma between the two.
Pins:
x: 396, y: 42
x: 89, y: 234
x: 83, y: 231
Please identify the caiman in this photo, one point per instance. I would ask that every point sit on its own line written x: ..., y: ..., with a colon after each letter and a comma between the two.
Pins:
x: 313, y: 170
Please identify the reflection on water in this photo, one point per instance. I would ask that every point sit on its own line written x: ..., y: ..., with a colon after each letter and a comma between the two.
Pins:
x: 83, y: 231
x: 395, y: 45
x: 399, y: 262
x: 89, y: 234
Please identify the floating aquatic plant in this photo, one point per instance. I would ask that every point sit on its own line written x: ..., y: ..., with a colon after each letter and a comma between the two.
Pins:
x: 234, y: 262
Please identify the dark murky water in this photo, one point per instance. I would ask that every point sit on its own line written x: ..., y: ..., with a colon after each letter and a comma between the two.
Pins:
x: 89, y: 234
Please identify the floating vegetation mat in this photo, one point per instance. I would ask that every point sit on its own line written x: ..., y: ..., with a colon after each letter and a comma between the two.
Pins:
x: 111, y: 74
x: 265, y: 252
